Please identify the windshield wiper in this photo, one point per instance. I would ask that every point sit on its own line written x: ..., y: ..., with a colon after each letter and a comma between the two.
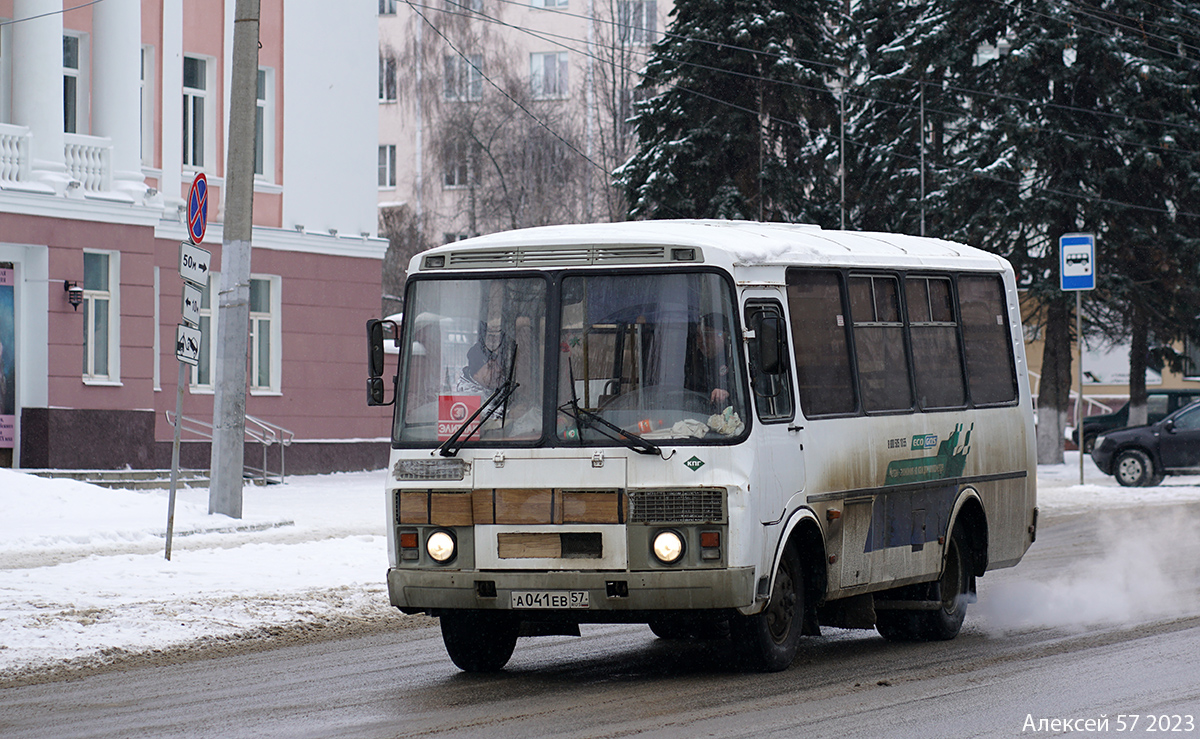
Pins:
x: 496, y: 401
x: 611, y: 430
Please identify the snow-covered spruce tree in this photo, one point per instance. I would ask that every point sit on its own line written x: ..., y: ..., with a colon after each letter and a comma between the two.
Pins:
x: 901, y: 56
x: 1150, y: 253
x: 1038, y: 152
x: 738, y: 124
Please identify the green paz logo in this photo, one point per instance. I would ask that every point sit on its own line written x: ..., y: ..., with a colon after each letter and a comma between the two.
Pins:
x: 694, y: 463
x: 949, y: 461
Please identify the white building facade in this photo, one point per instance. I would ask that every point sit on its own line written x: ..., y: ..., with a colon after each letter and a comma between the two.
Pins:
x: 500, y: 114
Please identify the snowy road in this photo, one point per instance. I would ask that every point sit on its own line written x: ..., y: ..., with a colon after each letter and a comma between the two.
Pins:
x: 1101, y: 619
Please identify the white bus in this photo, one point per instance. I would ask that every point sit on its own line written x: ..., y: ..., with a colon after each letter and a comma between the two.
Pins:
x: 711, y: 427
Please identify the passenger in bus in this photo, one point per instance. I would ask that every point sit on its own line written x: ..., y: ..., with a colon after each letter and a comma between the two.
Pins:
x: 707, y: 368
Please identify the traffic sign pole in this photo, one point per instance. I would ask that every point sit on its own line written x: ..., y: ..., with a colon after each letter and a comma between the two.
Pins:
x: 194, y: 266
x: 1077, y: 272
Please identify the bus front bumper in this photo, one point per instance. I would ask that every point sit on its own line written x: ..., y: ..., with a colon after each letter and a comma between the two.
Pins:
x: 419, y: 590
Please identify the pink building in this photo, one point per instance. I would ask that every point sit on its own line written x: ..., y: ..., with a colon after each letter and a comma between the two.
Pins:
x: 107, y: 112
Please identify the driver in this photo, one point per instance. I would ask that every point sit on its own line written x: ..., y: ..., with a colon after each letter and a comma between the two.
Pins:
x: 707, y: 368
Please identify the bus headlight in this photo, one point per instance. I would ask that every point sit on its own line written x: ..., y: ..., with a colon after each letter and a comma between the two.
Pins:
x: 440, y: 546
x: 668, y: 547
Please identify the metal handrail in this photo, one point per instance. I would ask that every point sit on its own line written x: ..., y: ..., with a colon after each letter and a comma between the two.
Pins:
x: 256, y: 430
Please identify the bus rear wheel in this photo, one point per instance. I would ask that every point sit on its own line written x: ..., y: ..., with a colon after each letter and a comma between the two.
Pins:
x: 768, y: 641
x: 950, y: 590
x: 479, y: 641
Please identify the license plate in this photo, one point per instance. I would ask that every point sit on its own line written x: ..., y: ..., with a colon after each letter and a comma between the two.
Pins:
x: 550, y: 599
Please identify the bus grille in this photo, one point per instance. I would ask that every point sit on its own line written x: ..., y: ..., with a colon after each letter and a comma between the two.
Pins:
x: 683, y: 506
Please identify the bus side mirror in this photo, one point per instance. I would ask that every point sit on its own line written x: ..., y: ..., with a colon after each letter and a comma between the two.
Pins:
x: 770, y: 344
x: 375, y: 362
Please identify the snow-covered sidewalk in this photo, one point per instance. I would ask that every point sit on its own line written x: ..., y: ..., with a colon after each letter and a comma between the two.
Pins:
x: 83, y: 576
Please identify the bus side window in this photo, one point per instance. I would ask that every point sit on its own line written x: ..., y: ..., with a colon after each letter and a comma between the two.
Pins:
x: 991, y: 374
x: 819, y: 337
x: 772, y: 392
x: 937, y: 360
x: 879, y: 343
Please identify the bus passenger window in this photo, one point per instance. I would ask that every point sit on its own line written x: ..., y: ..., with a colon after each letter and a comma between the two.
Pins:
x: 879, y: 343
x: 819, y: 328
x: 937, y: 361
x: 991, y: 375
x: 772, y: 392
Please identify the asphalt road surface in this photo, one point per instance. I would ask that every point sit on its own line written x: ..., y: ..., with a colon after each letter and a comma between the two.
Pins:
x: 1100, y: 621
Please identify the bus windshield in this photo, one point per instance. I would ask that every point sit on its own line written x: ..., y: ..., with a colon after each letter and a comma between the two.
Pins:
x: 651, y: 354
x: 648, y: 355
x: 472, y: 345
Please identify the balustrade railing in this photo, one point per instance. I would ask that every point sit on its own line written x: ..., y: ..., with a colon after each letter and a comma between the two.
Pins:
x: 89, y: 160
x: 14, y: 153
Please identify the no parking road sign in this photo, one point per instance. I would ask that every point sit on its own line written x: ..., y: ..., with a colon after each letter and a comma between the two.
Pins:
x: 1077, y: 261
x: 197, y: 208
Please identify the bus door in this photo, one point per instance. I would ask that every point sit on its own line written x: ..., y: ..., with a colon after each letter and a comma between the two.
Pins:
x: 778, y: 457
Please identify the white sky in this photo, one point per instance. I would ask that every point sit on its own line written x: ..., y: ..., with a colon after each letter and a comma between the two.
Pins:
x: 82, y: 571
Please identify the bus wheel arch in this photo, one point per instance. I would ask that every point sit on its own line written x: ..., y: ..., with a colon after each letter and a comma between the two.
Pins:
x: 769, y: 639
x: 972, y: 519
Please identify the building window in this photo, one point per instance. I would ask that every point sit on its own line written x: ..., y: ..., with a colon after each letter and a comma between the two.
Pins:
x: 548, y: 3
x: 265, y: 335
x: 387, y: 166
x: 264, y: 125
x: 548, y: 74
x: 101, y: 316
x: 195, y: 111
x: 146, y: 101
x: 457, y: 166
x: 637, y: 21
x: 463, y: 77
x: 387, y: 7
x: 202, y: 373
x: 72, y: 85
x: 387, y: 77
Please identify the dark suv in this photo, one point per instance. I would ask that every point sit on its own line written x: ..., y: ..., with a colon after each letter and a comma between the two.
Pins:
x: 1143, y: 455
x: 1159, y: 404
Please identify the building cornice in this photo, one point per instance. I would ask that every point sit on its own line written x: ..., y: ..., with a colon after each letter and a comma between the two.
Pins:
x: 282, y: 239
x: 79, y: 209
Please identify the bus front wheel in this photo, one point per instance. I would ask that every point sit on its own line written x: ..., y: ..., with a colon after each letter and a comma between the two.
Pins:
x: 768, y: 641
x: 478, y: 641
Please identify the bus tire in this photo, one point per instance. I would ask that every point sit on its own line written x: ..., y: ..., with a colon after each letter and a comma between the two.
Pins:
x: 951, y: 589
x: 768, y: 641
x: 478, y: 641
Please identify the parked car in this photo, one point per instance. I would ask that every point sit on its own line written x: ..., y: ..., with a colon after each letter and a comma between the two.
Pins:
x: 1159, y: 404
x: 1143, y: 455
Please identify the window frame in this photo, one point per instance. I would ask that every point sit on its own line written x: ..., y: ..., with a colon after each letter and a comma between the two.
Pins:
x: 112, y: 341
x: 78, y: 75
x: 386, y: 169
x: 208, y: 113
x: 208, y: 332
x: 388, y: 77
x: 462, y: 78
x: 274, y: 339
x: 264, y: 125
x: 387, y: 7
x: 637, y: 22
x: 769, y: 306
x: 537, y: 75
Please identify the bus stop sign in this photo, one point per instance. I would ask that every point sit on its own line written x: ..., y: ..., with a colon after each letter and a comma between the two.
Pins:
x: 197, y: 210
x: 1077, y: 261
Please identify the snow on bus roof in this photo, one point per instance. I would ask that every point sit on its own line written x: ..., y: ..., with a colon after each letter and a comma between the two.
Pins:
x: 749, y: 243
